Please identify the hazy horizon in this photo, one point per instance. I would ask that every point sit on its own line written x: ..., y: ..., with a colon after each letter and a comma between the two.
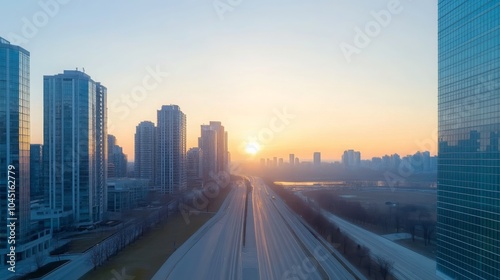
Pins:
x: 243, y: 66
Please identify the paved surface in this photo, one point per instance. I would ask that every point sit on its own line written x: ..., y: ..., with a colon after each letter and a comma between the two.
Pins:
x: 277, y: 244
x: 286, y: 248
x: 407, y: 263
x: 214, y: 251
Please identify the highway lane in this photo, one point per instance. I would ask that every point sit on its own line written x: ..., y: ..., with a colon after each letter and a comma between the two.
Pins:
x: 285, y: 247
x: 407, y: 263
x: 278, y: 245
x: 213, y: 252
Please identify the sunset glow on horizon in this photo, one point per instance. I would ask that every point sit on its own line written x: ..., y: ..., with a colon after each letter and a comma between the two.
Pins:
x: 274, y: 74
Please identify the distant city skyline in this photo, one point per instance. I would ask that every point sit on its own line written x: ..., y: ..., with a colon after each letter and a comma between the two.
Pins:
x: 239, y: 70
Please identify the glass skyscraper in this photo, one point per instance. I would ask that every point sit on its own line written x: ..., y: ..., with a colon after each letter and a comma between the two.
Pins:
x: 75, y: 153
x: 14, y: 141
x: 469, y: 130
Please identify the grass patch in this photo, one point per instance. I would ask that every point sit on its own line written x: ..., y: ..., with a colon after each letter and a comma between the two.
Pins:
x: 145, y: 256
x: 43, y: 270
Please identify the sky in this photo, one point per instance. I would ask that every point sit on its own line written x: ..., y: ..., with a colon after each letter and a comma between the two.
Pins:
x: 283, y: 76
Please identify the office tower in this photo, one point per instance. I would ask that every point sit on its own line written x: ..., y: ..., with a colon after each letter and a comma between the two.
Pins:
x: 280, y: 162
x: 117, y: 160
x: 317, y: 158
x: 145, y: 151
x: 14, y: 145
x: 75, y: 140
x: 213, y: 143
x: 275, y: 162
x: 195, y: 164
x: 291, y: 159
x: 352, y: 159
x: 208, y: 144
x: 468, y: 210
x: 36, y: 165
x: 222, y: 150
x: 171, y: 149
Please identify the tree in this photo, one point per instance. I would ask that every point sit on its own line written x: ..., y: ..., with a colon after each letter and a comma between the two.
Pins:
x: 410, y: 226
x: 96, y: 256
x: 336, y: 236
x: 385, y: 266
x: 347, y: 244
x: 362, y: 252
x: 428, y: 229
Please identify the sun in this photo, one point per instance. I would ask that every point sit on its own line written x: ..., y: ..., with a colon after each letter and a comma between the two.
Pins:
x: 252, y: 148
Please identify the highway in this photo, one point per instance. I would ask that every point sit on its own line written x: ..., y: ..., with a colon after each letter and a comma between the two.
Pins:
x: 214, y: 251
x: 277, y: 244
x: 407, y: 263
x: 285, y: 247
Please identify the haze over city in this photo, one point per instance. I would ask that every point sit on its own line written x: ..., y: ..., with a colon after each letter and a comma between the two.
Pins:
x: 250, y: 140
x: 236, y: 66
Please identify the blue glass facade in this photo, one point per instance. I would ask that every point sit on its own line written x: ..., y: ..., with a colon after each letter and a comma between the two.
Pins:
x: 469, y: 130
x: 15, y: 138
x: 75, y: 147
x: 36, y: 156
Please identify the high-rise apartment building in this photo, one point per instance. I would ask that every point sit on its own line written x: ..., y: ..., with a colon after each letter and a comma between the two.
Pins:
x: 171, y: 150
x: 145, y: 151
x: 351, y: 158
x: 222, y: 151
x: 208, y: 144
x: 317, y: 158
x: 15, y: 157
x: 213, y: 143
x: 468, y: 210
x: 117, y: 160
x: 195, y: 164
x: 75, y: 152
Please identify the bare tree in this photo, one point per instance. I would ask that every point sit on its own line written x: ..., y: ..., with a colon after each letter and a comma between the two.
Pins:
x: 109, y: 248
x: 362, y: 252
x: 410, y: 226
x: 385, y: 266
x: 428, y: 229
x: 347, y: 244
x: 96, y: 256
